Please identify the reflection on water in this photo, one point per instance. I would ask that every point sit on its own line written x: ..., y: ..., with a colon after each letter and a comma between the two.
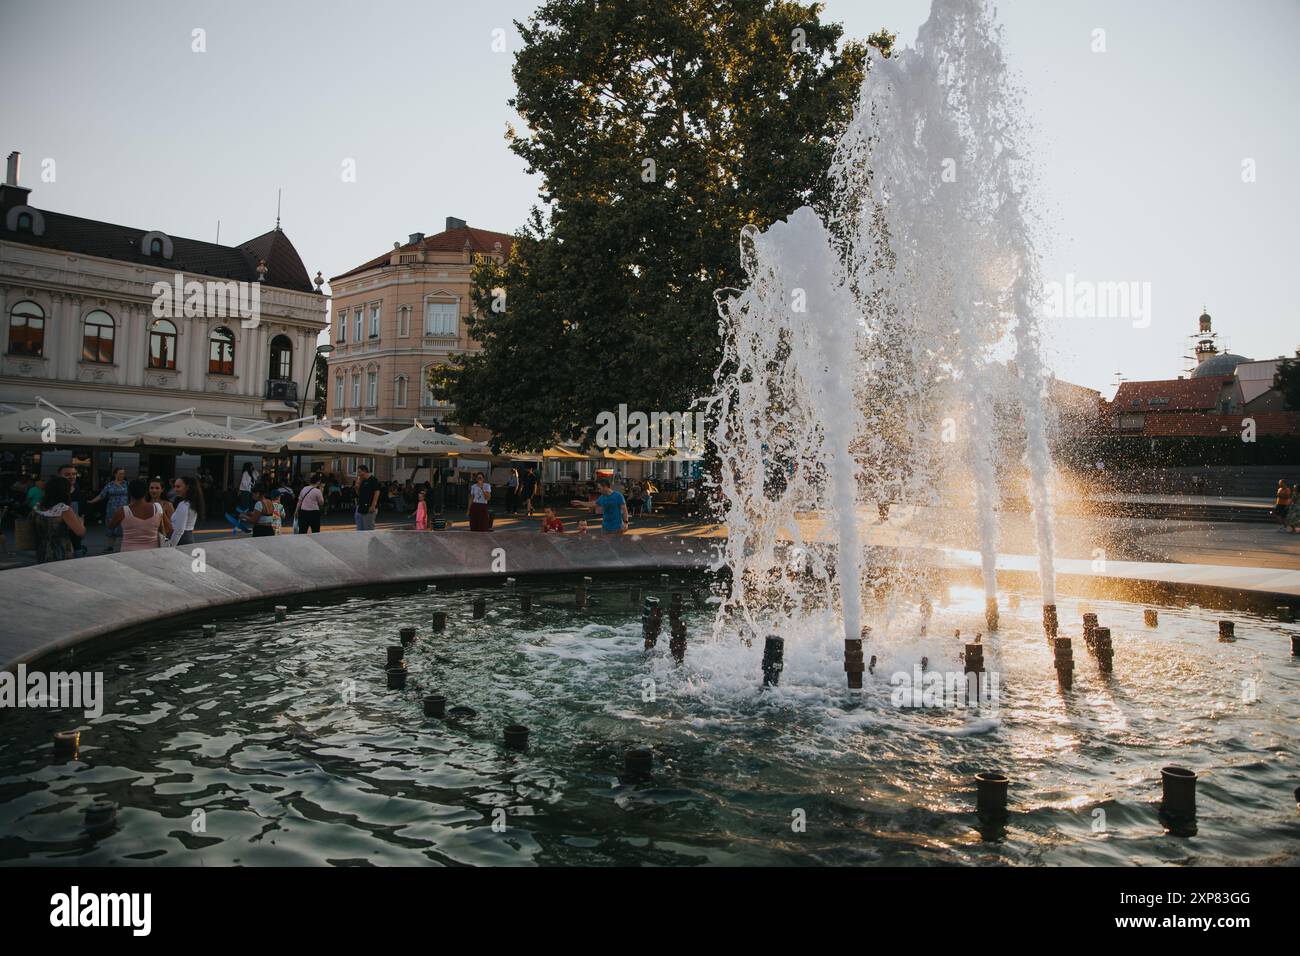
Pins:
x: 281, y: 744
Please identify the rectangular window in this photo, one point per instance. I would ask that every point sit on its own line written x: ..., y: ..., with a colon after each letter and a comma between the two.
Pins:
x: 372, y: 390
x: 338, y: 393
x: 399, y: 399
x: 440, y: 318
x: 374, y: 321
x: 426, y: 393
x: 357, y: 318
x: 404, y: 321
x: 356, y: 390
x: 342, y: 320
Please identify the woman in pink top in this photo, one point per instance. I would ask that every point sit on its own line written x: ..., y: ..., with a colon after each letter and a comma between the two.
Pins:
x: 141, y: 519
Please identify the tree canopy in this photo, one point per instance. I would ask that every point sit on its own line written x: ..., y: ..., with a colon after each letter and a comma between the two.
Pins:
x: 659, y: 129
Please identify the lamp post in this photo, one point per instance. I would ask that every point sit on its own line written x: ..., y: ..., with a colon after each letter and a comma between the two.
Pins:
x: 325, y: 349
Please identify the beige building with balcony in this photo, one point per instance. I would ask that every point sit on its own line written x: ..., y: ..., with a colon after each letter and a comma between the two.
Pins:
x: 396, y: 317
x: 82, y: 323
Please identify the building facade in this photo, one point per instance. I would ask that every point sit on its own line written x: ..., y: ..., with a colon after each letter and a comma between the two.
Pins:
x: 394, y: 319
x: 86, y: 323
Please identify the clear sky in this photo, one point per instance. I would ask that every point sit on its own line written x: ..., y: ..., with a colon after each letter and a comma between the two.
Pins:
x: 1140, y: 148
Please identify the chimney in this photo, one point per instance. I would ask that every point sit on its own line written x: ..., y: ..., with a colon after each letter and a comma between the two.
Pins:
x: 454, y: 223
x: 12, y: 194
x: 415, y: 237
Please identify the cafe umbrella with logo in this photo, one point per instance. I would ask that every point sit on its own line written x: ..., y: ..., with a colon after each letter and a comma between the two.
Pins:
x: 48, y: 426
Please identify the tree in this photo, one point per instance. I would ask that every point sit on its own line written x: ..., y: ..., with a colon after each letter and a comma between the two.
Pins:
x: 320, y: 386
x: 660, y: 129
x: 1287, y: 381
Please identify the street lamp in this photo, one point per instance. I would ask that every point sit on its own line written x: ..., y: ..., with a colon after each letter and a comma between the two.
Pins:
x: 325, y: 349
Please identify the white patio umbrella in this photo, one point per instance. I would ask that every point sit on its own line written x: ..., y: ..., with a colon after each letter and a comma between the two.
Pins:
x: 54, y: 428
x: 322, y: 438
x: 425, y: 441
x: 194, y: 433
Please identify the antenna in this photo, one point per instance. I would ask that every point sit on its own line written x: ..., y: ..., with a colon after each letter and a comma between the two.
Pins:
x: 218, y: 240
x: 277, y: 209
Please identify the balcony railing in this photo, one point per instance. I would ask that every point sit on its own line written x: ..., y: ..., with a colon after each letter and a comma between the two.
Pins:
x: 282, y: 390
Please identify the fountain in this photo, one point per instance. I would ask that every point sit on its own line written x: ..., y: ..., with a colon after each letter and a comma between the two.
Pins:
x: 859, y: 361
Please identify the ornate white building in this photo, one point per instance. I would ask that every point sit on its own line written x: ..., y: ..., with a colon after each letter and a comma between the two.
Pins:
x: 85, y: 325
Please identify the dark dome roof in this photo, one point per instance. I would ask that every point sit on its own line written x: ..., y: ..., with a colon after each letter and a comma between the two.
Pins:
x: 1222, y: 364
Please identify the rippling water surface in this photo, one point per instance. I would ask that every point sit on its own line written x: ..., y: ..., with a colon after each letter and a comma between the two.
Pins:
x: 279, y: 743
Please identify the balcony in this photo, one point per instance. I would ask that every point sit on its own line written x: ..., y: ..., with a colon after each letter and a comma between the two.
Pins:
x: 281, y: 390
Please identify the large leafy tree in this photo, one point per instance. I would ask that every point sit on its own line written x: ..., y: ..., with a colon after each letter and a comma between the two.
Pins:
x: 660, y: 128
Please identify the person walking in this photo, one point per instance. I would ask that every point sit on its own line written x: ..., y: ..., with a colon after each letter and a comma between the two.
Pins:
x: 247, y: 479
x: 480, y: 493
x: 77, y: 502
x: 512, y: 490
x: 115, y: 498
x: 56, y: 524
x: 311, y: 502
x: 1282, y: 504
x: 188, y: 493
x: 612, y: 507
x: 528, y: 488
x: 648, y: 502
x: 368, y: 489
x: 143, y: 520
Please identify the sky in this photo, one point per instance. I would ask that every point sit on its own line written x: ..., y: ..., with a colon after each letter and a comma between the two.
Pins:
x: 1166, y: 147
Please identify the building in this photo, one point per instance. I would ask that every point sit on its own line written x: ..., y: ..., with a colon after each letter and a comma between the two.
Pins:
x: 91, y: 318
x: 1220, y: 392
x: 395, y: 318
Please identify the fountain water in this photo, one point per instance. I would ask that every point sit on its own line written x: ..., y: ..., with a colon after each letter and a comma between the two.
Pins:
x: 861, y: 362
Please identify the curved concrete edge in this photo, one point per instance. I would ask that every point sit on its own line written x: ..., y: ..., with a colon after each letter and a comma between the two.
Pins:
x: 51, y: 607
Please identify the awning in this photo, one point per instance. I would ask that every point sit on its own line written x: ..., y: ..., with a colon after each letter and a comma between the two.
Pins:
x: 194, y: 433
x: 555, y: 451
x: 618, y: 454
x: 47, y: 426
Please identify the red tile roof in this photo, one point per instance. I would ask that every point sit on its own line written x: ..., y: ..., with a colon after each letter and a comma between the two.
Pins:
x: 1169, y: 395
x: 451, y: 240
x: 1184, y: 425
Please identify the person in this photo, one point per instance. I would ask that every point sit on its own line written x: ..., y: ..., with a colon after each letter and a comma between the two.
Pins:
x: 265, y: 514
x: 334, y: 492
x: 422, y: 512
x: 143, y: 520
x: 311, y: 501
x: 550, y: 523
x: 637, y: 500
x: 612, y: 507
x: 528, y: 488
x: 35, y: 493
x: 648, y: 495
x: 76, y: 499
x: 512, y: 489
x: 246, y: 481
x: 1293, y: 509
x: 367, y: 499
x: 115, y: 498
x: 188, y: 493
x: 1282, y: 503
x: 480, y: 493
x: 56, y: 523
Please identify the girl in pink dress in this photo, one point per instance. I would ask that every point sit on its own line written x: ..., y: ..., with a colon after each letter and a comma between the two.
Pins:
x: 422, y: 514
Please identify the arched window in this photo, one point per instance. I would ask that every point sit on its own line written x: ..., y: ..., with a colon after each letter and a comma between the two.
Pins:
x: 339, y: 401
x: 404, y: 322
x: 24, y: 222
x: 97, y: 338
x: 26, y: 329
x: 162, y: 344
x: 426, y: 391
x: 221, y: 351
x: 281, y: 358
x: 399, y: 392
